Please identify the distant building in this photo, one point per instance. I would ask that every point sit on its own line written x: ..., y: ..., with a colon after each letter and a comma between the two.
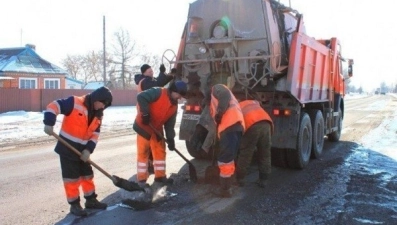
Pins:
x: 23, y: 68
x: 97, y: 84
x: 73, y: 83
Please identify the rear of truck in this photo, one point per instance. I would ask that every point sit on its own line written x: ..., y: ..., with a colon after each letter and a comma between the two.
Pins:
x: 259, y: 48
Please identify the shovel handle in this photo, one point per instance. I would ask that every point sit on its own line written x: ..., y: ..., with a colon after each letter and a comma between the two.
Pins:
x: 73, y: 149
x: 176, y: 150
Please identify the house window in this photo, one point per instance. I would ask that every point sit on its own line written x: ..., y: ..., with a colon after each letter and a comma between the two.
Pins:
x: 51, y: 83
x: 27, y: 83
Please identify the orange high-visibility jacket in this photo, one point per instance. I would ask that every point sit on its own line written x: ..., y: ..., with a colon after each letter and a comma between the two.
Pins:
x: 75, y: 126
x: 160, y: 110
x: 231, y: 116
x: 253, y: 113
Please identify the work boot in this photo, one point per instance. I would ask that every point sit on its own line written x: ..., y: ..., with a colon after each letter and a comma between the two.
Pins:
x: 93, y: 203
x: 164, y: 180
x: 262, y: 181
x: 77, y: 210
x: 225, y: 189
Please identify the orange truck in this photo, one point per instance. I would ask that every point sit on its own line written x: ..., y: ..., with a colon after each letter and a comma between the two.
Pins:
x: 260, y: 48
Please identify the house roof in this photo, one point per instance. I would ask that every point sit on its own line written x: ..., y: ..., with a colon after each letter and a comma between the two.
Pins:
x: 25, y: 59
x: 74, y: 80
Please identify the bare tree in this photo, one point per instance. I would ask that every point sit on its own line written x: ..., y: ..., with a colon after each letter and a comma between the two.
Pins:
x: 123, y: 53
x: 87, y: 67
x: 72, y: 63
x: 92, y: 66
x: 153, y: 60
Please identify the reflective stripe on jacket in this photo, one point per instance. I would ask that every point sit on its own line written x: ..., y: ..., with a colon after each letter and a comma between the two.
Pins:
x: 160, y: 112
x: 253, y: 113
x: 75, y: 126
x: 231, y: 116
x: 226, y: 169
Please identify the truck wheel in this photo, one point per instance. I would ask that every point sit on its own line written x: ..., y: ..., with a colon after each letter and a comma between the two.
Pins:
x: 298, y: 158
x: 335, y: 136
x: 193, y: 152
x: 318, y: 133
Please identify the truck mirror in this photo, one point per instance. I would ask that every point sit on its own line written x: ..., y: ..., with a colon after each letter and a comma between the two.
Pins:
x: 350, y: 68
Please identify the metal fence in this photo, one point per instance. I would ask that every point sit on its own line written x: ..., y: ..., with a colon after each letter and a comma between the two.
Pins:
x: 36, y: 100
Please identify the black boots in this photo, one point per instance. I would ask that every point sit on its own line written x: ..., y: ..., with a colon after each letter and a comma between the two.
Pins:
x: 77, y: 210
x: 262, y: 182
x: 93, y: 203
x: 225, y: 189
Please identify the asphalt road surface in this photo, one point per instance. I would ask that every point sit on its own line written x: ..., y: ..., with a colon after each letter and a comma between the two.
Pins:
x: 350, y: 184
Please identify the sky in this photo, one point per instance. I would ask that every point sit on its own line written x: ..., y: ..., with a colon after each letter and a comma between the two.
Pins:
x: 366, y: 28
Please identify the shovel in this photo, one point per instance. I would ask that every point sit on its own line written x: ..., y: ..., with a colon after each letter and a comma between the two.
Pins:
x: 119, y: 182
x: 192, y: 169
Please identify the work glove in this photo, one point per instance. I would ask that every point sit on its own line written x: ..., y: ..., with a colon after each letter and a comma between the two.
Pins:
x: 146, y: 119
x: 171, y: 144
x: 162, y: 68
x: 85, y: 155
x: 48, y: 129
x: 218, y: 118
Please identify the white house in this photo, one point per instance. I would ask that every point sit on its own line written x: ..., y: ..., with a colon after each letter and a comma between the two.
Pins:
x: 73, y: 83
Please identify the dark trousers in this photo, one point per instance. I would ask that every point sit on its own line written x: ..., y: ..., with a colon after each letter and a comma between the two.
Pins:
x: 256, y: 138
x: 74, y: 175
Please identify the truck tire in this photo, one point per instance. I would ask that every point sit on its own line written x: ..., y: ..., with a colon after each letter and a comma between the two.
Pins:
x: 193, y: 152
x: 299, y: 158
x: 335, y: 136
x: 318, y: 133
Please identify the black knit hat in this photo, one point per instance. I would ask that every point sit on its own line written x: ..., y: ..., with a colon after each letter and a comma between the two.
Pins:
x: 179, y: 87
x: 144, y: 67
x: 102, y: 94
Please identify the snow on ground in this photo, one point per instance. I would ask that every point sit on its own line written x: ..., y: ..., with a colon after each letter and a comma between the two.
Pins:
x: 22, y: 125
x: 353, y: 95
x: 383, y: 138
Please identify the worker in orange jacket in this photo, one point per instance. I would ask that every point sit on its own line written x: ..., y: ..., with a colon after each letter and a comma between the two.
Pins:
x: 144, y: 81
x: 226, y: 112
x: 157, y: 107
x: 257, y: 137
x: 80, y: 128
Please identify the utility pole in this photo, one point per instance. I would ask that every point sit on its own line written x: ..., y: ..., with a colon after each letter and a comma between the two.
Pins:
x: 104, y: 53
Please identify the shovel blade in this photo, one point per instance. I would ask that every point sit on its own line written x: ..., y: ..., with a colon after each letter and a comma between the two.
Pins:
x: 126, y: 185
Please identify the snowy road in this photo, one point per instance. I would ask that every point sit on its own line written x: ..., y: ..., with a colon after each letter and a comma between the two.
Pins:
x: 354, y: 182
